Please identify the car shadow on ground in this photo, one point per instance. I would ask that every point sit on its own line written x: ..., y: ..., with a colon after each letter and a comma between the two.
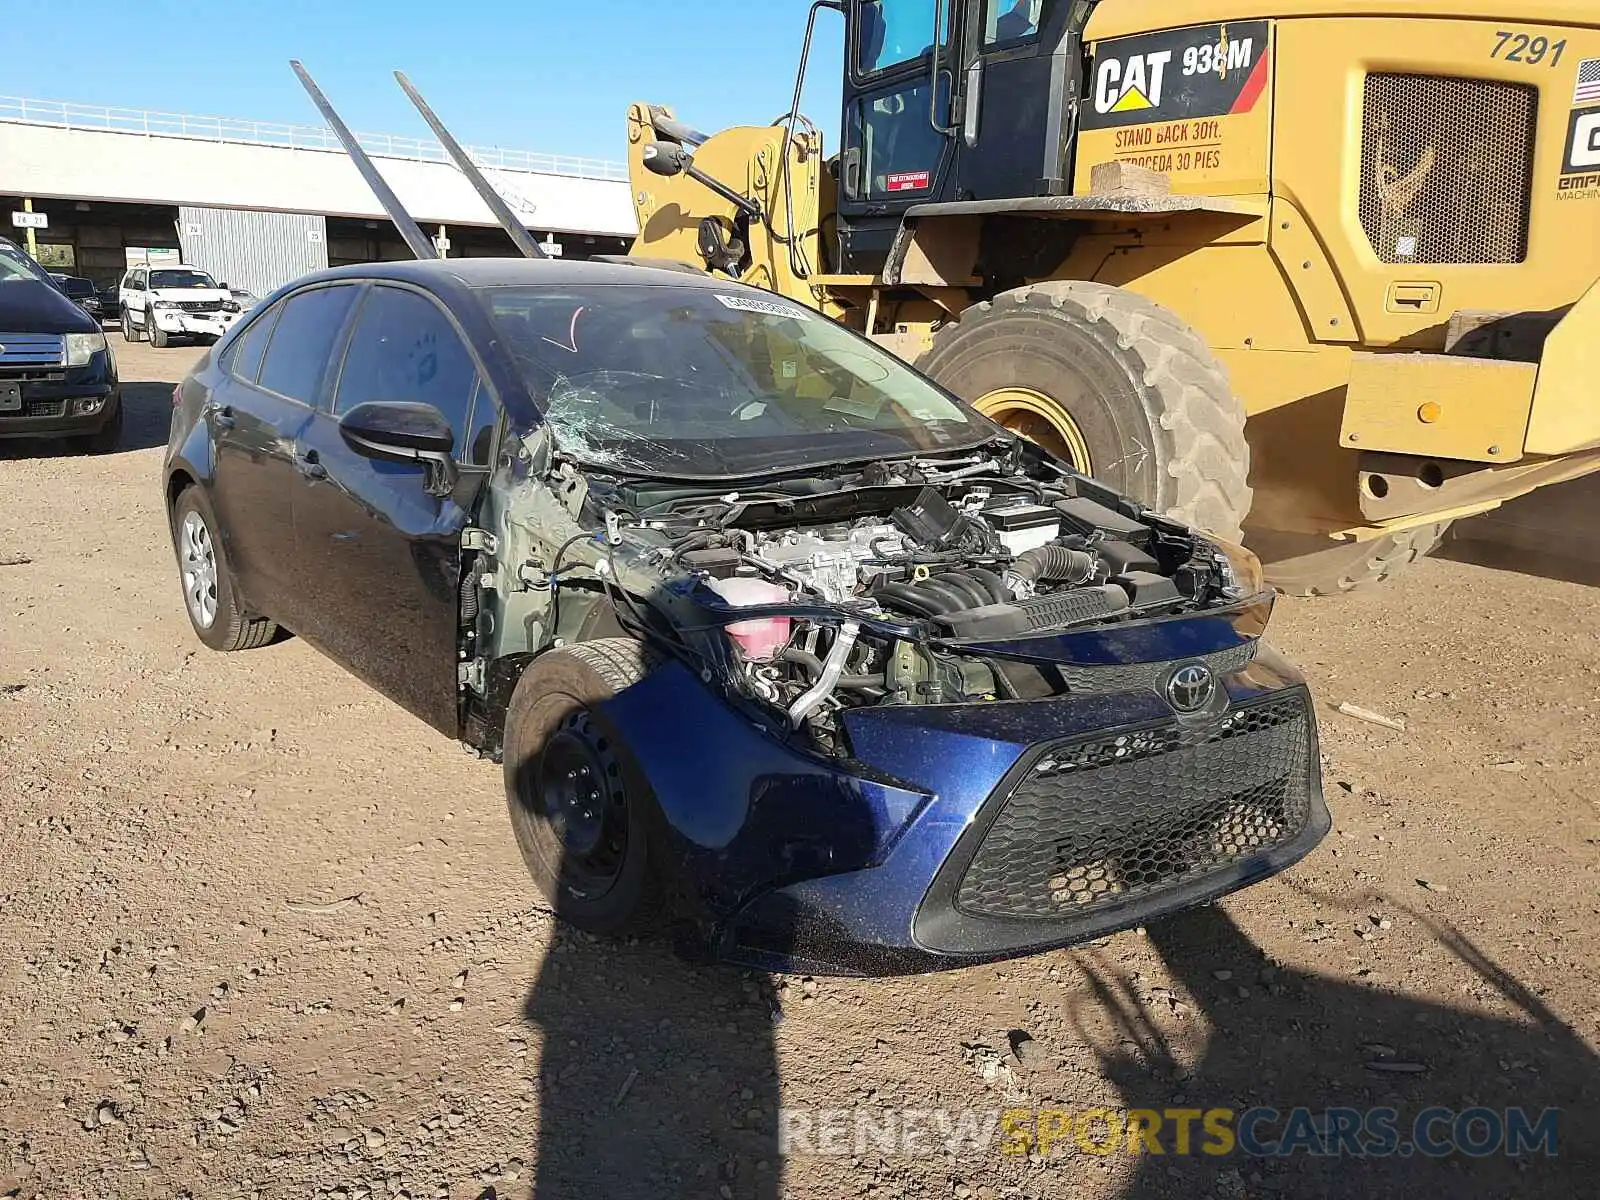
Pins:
x: 1281, y: 1039
x: 146, y: 417
x: 657, y: 1078
x: 147, y: 414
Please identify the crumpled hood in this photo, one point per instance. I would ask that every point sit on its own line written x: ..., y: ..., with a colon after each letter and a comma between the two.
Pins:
x: 27, y: 306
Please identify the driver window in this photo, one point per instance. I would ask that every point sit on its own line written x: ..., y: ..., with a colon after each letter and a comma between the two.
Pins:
x: 1011, y: 20
x: 403, y: 348
x: 893, y: 32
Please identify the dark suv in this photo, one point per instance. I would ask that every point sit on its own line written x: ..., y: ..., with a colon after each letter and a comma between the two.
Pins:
x: 57, y: 374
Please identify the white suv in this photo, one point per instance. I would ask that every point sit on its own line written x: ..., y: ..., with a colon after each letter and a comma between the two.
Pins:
x: 161, y: 303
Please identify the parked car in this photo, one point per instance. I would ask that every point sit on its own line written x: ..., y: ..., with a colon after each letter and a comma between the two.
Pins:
x: 773, y: 637
x: 81, y: 292
x: 58, y: 377
x: 161, y: 303
x: 243, y: 297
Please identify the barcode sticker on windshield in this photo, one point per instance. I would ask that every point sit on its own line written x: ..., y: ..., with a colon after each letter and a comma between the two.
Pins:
x: 750, y: 304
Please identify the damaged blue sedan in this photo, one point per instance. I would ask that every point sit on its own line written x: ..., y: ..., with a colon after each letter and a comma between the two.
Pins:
x: 778, y: 642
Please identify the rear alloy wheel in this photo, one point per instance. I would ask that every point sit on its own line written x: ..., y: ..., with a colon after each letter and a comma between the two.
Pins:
x: 1111, y: 382
x: 581, y: 809
x: 208, y: 595
x: 129, y: 332
x: 1304, y: 565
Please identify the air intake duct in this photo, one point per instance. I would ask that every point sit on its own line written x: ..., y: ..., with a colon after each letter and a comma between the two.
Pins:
x: 1052, y: 564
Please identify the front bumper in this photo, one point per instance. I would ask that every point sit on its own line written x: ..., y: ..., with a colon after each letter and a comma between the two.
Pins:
x: 943, y: 843
x: 59, y: 401
x: 187, y: 324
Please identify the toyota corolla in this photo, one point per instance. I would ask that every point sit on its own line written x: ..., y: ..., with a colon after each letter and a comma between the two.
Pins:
x: 777, y: 642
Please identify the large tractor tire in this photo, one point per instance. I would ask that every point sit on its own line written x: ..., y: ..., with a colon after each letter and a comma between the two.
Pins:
x: 1302, y: 565
x: 1113, y: 383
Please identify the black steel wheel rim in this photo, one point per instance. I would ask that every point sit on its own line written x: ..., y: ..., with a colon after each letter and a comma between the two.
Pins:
x: 579, y: 795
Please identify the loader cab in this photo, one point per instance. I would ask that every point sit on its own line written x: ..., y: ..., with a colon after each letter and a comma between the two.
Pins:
x: 952, y: 100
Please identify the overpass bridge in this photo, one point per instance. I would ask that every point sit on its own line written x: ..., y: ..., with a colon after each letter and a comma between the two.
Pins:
x: 149, y: 179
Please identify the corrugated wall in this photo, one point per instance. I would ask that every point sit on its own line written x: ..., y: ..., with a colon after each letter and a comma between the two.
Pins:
x: 258, y: 251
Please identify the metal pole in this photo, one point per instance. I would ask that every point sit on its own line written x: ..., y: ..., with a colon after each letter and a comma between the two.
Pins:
x: 33, y: 241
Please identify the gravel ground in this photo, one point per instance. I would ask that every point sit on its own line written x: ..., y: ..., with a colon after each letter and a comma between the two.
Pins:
x: 263, y: 934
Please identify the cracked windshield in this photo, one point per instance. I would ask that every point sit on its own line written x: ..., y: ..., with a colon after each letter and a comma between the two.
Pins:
x: 692, y: 381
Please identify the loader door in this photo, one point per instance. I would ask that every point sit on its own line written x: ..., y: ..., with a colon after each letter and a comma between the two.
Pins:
x: 897, y: 145
x: 1020, y: 74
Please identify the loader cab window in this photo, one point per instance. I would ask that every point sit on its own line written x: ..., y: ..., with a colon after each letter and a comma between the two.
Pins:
x: 891, y: 32
x: 892, y: 147
x: 1007, y: 21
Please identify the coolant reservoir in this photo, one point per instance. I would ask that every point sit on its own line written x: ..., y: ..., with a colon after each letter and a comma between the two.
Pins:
x: 760, y: 640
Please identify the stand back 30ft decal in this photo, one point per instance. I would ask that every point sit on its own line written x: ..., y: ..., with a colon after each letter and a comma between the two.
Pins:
x: 1171, y: 101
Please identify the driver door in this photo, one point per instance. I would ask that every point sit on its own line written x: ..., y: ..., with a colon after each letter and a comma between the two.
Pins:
x: 386, y: 553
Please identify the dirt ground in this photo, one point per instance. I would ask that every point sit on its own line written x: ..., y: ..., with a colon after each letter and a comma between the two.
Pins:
x: 264, y: 935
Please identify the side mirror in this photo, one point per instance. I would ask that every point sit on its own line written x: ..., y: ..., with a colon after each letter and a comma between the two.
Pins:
x: 399, y: 432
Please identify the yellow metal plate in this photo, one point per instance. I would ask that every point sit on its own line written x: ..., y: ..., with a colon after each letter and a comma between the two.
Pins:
x: 1481, y: 406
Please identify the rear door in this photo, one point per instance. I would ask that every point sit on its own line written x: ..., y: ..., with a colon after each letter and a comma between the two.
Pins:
x: 386, y: 554
x: 275, y: 374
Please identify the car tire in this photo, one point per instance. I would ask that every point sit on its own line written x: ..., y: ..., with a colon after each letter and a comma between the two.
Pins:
x: 108, y: 438
x: 129, y: 332
x: 204, y: 574
x: 1102, y: 374
x: 158, y: 336
x: 1303, y: 565
x: 584, y: 816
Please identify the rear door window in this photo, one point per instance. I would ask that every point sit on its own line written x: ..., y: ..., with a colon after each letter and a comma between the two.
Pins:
x: 296, y: 361
x: 244, y: 360
x: 404, y: 348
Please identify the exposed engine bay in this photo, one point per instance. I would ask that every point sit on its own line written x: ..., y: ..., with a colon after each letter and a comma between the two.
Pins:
x: 911, y: 584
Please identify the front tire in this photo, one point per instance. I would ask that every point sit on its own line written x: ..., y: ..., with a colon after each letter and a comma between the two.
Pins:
x: 208, y: 593
x: 1310, y: 566
x: 159, y: 337
x: 581, y: 809
x: 1115, y: 383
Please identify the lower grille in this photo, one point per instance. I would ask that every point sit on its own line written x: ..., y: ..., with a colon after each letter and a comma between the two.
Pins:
x: 1108, y: 820
x: 44, y: 408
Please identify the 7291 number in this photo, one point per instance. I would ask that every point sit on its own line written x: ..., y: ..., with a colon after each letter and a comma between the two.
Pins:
x: 1526, y: 48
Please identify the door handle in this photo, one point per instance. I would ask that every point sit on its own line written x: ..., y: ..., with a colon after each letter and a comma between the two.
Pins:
x: 222, y: 416
x: 309, y: 464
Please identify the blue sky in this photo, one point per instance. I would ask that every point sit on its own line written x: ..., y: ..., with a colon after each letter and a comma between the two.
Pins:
x: 548, y: 75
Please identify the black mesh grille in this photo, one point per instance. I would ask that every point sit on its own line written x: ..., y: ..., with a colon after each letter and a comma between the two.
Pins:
x: 1114, y: 819
x: 1447, y: 168
x: 200, y: 306
x: 44, y: 408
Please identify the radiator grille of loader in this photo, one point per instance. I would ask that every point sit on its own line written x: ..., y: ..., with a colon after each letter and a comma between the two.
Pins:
x: 1447, y: 168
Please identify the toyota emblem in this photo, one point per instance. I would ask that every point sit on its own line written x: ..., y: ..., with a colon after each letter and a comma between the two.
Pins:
x: 1190, y: 689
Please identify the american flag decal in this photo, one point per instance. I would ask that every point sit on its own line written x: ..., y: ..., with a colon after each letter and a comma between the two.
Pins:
x: 1588, y: 88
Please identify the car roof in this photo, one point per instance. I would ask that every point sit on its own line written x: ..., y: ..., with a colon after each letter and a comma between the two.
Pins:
x: 524, y: 272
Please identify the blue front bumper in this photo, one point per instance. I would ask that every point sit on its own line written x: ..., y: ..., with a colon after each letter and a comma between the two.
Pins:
x: 872, y: 865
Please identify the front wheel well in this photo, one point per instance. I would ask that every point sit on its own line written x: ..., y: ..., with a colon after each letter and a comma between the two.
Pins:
x: 178, y: 483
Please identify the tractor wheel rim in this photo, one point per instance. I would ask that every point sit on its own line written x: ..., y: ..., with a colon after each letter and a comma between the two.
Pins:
x: 1042, y: 420
x: 199, y: 568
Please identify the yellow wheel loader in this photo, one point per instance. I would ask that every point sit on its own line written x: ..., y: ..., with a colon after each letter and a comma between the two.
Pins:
x: 1321, y: 271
